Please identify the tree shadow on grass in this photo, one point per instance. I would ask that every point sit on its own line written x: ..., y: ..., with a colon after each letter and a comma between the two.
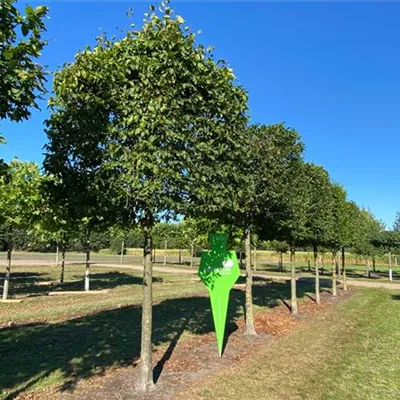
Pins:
x: 86, y: 346
x: 27, y: 284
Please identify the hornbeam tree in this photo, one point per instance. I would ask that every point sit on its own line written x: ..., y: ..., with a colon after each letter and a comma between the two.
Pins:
x: 19, y: 205
x: 153, y: 127
x: 277, y: 201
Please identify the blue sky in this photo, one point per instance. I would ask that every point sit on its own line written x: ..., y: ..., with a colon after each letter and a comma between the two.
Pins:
x: 330, y: 70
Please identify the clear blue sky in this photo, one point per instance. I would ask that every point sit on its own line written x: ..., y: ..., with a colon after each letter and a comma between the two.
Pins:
x: 330, y: 70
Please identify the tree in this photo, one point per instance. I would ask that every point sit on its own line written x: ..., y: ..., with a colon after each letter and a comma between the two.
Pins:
x: 276, y: 161
x: 368, y: 237
x: 396, y: 224
x: 319, y: 213
x: 21, y: 77
x: 388, y: 240
x: 157, y: 126
x: 19, y: 204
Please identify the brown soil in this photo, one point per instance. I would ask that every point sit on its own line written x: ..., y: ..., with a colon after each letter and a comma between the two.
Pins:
x: 191, y: 360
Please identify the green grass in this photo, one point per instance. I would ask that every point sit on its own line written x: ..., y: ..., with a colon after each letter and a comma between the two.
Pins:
x: 57, y: 340
x: 347, y: 352
x: 352, y: 271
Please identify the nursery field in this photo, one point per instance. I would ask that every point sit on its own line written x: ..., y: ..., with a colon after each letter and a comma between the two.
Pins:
x: 69, y: 345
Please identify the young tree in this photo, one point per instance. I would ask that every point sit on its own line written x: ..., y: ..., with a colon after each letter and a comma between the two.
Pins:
x: 21, y: 77
x: 158, y: 127
x: 319, y: 214
x: 19, y: 204
x: 273, y: 151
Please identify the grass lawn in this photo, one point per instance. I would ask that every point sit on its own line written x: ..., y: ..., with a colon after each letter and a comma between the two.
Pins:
x: 352, y: 271
x: 348, y: 352
x: 53, y: 341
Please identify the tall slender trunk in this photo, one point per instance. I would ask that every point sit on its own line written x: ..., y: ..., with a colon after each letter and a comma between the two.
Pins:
x: 146, y: 373
x: 180, y: 256
x: 374, y: 263
x: 87, y: 270
x: 308, y: 262
x: 293, y: 307
x: 249, y: 288
x: 334, y: 265
x: 6, y: 284
x: 122, y: 251
x: 344, y: 269
x: 165, y: 251
x: 368, y: 266
x: 191, y: 254
x: 62, y: 262
x: 57, y: 253
x: 316, y: 266
x: 390, y: 267
x: 281, y: 261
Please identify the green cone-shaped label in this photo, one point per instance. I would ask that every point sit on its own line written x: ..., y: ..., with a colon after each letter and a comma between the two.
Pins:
x: 219, y: 270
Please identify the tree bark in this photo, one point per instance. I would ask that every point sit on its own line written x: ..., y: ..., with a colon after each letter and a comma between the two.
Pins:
x: 344, y: 270
x: 293, y: 287
x: 87, y: 270
x: 334, y: 265
x: 165, y: 252
x: 250, y: 331
x: 6, y: 284
x: 390, y: 267
x: 281, y: 261
x: 57, y: 253
x: 122, y: 251
x: 146, y: 382
x: 62, y: 262
x: 316, y: 266
x: 368, y: 265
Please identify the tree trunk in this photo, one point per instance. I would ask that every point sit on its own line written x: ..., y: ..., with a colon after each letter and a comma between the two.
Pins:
x: 191, y: 254
x: 316, y: 266
x: 322, y: 259
x: 249, y: 288
x: 6, y: 284
x: 344, y: 270
x: 57, y: 253
x: 293, y: 307
x: 308, y: 262
x: 368, y: 265
x: 390, y: 267
x: 122, y: 251
x: 180, y: 256
x: 146, y: 382
x: 281, y: 261
x: 374, y: 263
x: 62, y: 262
x: 334, y: 265
x: 165, y: 252
x: 87, y: 270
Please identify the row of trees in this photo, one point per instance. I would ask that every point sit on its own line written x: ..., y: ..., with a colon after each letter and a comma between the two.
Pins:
x: 150, y: 128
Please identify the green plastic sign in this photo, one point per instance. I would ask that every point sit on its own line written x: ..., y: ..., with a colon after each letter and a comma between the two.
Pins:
x: 219, y: 270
